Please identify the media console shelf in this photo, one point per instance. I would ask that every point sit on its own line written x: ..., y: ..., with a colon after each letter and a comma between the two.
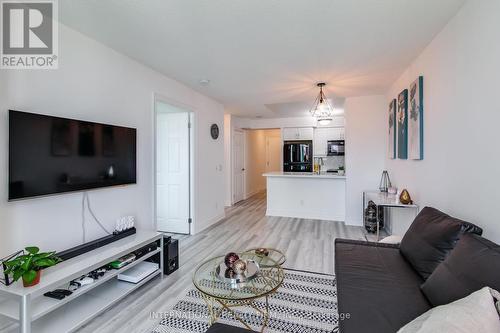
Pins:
x: 37, y: 313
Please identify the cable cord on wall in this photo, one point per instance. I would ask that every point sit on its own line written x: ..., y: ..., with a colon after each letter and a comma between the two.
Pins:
x: 87, y: 199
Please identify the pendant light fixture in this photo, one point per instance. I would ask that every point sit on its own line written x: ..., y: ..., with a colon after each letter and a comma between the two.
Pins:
x: 322, y: 110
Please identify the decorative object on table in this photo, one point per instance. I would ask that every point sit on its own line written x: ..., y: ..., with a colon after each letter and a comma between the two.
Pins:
x: 229, y: 273
x: 6, y: 280
x: 371, y: 217
x: 385, y: 182
x: 405, y: 198
x: 230, y: 258
x: 243, y: 271
x: 239, y: 266
x: 341, y: 170
x: 416, y: 120
x: 392, y: 129
x: 29, y: 266
x: 402, y: 125
x: 214, y: 131
x: 392, y: 190
x: 262, y: 252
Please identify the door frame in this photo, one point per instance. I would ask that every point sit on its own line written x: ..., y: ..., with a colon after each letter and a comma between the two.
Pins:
x: 192, y: 153
x: 233, y: 163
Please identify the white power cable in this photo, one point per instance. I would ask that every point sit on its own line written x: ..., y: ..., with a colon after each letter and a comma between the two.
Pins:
x: 86, y: 198
x: 83, y: 218
x: 93, y: 215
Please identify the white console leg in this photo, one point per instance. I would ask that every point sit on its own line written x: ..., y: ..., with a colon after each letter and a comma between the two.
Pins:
x: 162, y: 263
x: 25, y: 314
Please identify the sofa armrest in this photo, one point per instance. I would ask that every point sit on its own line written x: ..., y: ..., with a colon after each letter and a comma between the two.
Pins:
x: 364, y: 243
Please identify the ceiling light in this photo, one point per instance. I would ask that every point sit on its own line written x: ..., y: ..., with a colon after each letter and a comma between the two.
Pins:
x: 322, y: 110
x: 204, y: 82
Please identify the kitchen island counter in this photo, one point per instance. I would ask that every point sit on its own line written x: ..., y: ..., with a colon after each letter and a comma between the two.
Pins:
x: 306, y: 195
x: 303, y: 175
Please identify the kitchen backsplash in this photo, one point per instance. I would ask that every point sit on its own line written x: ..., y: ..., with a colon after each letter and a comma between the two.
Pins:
x: 333, y: 162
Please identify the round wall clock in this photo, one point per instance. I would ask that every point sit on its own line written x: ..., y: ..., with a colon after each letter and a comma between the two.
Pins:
x: 214, y: 131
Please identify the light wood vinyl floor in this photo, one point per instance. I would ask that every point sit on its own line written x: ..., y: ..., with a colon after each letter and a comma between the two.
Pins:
x: 308, y: 245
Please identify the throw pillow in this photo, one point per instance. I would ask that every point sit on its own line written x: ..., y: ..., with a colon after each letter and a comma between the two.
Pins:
x: 472, y: 265
x: 431, y: 236
x: 392, y: 239
x: 474, y: 313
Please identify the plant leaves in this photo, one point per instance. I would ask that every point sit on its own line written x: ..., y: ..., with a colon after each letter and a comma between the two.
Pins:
x: 45, y: 262
x: 27, y: 264
x: 29, y: 276
x: 32, y: 249
x: 17, y: 275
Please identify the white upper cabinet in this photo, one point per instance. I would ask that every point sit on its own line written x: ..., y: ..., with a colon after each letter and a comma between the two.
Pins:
x: 324, y: 134
x: 297, y: 133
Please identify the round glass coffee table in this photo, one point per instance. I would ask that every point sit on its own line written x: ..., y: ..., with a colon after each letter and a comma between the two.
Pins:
x: 222, y: 295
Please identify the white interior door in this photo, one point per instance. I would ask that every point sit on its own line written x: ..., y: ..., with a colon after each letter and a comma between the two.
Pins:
x: 172, y: 170
x: 273, y: 153
x: 239, y: 166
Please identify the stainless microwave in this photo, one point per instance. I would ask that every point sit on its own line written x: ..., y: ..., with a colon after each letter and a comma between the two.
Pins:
x: 336, y: 148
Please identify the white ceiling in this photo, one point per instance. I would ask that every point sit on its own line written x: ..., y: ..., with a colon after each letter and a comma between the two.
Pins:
x: 263, y: 58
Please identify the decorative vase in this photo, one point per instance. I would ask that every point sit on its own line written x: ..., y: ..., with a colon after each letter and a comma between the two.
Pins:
x: 34, y: 282
x: 405, y: 198
x: 371, y: 217
x: 385, y: 182
x: 230, y: 258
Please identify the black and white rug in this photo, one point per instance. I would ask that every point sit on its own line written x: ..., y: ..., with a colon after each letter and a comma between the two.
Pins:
x: 305, y: 302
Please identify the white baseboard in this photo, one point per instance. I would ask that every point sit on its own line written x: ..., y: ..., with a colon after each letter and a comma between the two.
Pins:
x: 207, y: 223
x: 306, y: 215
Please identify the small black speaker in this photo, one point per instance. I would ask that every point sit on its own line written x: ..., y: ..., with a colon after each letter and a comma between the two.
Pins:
x: 171, y: 256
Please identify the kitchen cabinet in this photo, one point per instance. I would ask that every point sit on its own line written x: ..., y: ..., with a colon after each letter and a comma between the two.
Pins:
x: 297, y: 133
x: 324, y: 134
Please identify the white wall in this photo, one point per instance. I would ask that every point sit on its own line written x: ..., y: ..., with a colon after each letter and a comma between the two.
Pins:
x: 365, y: 140
x: 460, y: 170
x: 228, y: 164
x: 96, y: 83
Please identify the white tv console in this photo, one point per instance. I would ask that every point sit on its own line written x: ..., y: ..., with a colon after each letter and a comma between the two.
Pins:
x: 37, y: 313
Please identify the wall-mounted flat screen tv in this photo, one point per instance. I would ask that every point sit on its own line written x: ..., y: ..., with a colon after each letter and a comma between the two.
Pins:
x: 50, y: 155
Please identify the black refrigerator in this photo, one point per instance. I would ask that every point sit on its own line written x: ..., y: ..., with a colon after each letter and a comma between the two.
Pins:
x: 297, y: 156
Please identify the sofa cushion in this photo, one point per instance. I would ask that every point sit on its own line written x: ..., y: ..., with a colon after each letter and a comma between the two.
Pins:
x: 377, y: 290
x: 472, y: 265
x: 431, y: 236
x: 222, y: 328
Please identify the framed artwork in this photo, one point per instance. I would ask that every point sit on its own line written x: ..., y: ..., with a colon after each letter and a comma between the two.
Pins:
x: 416, y: 120
x: 392, y: 129
x: 402, y: 124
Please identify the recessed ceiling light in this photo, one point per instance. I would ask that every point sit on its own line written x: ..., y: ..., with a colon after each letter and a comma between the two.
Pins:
x: 204, y: 82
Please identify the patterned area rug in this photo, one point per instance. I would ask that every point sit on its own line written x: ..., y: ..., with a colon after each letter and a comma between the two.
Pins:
x: 305, y: 302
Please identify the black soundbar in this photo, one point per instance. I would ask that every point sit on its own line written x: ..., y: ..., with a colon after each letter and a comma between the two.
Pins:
x: 95, y: 244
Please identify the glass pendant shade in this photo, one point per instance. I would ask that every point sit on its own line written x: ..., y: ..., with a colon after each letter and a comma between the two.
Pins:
x: 322, y: 110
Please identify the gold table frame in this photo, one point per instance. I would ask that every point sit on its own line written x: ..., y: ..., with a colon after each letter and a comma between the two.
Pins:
x: 228, y: 297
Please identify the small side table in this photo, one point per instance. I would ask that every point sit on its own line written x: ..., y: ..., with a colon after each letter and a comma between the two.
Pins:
x: 384, y: 200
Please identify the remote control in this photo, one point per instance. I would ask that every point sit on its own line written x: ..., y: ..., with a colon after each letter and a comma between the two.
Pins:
x: 54, y: 295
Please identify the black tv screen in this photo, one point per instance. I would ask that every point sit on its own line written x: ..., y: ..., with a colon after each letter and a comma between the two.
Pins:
x: 49, y: 155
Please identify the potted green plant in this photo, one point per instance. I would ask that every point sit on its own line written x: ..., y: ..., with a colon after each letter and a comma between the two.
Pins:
x: 29, y: 265
x: 341, y: 170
